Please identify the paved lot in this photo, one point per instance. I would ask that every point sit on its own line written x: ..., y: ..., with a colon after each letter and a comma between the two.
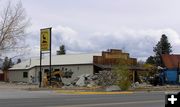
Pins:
x: 13, y: 96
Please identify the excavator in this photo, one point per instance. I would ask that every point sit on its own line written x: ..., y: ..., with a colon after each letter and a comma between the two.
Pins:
x: 56, y: 79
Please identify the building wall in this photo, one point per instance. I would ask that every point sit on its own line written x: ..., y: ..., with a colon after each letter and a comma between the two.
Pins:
x: 1, y: 77
x: 33, y: 75
x: 112, y: 57
x: 34, y: 72
x: 77, y: 71
x: 17, y: 76
x: 171, y: 76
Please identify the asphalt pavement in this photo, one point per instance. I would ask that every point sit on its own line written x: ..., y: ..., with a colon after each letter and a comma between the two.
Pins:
x: 21, y: 98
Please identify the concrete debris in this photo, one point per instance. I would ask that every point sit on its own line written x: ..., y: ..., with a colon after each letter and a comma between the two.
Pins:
x: 106, y: 78
x: 67, y: 86
x: 85, y: 80
x: 140, y: 85
x: 91, y: 84
x: 136, y: 84
x: 81, y: 81
x: 113, y: 88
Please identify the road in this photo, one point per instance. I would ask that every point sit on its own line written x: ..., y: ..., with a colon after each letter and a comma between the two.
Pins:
x: 19, y: 98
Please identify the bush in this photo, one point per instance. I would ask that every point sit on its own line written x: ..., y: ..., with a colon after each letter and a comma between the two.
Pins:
x: 123, y: 74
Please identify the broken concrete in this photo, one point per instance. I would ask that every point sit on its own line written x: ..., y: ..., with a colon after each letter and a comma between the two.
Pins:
x: 113, y: 88
x: 86, y: 80
x: 81, y: 81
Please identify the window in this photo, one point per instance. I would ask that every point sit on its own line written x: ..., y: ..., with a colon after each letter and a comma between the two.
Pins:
x: 46, y: 71
x: 25, y: 74
x: 68, y: 74
x: 62, y: 68
x: 56, y: 69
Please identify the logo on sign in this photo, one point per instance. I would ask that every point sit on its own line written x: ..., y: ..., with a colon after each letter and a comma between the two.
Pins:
x: 45, y: 39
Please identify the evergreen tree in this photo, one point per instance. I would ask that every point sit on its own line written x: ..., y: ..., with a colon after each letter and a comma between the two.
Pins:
x: 162, y: 47
x: 18, y: 61
x: 150, y: 60
x: 6, y: 64
x: 61, y: 50
x: 10, y: 63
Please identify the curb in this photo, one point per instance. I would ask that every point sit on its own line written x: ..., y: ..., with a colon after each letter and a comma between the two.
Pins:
x: 91, y: 93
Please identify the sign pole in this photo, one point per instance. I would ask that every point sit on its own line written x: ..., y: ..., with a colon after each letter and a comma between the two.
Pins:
x: 45, y: 44
x: 40, y: 72
x: 50, y: 56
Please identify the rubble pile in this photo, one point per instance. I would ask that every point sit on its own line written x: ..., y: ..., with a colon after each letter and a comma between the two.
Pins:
x: 103, y: 78
x: 106, y: 78
x: 86, y: 80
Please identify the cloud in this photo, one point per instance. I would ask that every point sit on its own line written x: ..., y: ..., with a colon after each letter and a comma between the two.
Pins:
x: 139, y: 43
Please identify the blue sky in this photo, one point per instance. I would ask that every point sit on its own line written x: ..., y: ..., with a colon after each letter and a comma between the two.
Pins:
x: 95, y: 25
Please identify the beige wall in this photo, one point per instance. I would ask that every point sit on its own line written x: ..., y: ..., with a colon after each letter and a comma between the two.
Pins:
x: 17, y: 76
x: 77, y: 71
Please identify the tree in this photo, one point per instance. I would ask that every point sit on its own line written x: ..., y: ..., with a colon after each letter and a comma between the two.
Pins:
x: 13, y: 24
x: 6, y: 65
x: 162, y: 47
x: 18, y: 61
x: 10, y: 63
x: 123, y: 74
x: 61, y: 50
x: 150, y: 60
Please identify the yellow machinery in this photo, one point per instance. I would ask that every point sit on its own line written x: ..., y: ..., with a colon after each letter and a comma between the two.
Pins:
x: 56, y: 80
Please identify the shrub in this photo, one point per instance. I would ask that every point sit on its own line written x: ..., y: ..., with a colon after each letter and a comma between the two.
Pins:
x: 123, y: 74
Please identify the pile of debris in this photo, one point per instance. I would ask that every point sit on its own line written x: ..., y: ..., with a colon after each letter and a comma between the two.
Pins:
x: 103, y: 78
x: 86, y: 80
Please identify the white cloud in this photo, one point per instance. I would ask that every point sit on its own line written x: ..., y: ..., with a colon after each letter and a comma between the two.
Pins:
x: 139, y: 43
x: 89, y: 26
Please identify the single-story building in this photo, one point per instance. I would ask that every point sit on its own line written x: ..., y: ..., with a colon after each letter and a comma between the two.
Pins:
x: 172, y: 70
x: 75, y: 64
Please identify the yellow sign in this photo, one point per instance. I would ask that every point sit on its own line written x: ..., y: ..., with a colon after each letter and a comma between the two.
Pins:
x: 45, y: 39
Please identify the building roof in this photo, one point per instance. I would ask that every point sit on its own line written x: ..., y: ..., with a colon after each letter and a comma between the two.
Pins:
x: 171, y: 61
x: 71, y: 59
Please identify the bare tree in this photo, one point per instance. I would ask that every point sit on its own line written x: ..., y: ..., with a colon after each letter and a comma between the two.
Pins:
x: 13, y: 24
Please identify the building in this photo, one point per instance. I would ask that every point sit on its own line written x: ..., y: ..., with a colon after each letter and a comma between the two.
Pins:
x: 1, y: 75
x: 110, y: 58
x: 75, y: 64
x: 171, y: 71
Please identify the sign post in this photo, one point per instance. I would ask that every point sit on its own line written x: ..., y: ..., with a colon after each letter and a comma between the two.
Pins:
x: 45, y: 46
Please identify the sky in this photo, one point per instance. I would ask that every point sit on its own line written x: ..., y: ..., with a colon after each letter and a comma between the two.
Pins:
x: 87, y: 26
